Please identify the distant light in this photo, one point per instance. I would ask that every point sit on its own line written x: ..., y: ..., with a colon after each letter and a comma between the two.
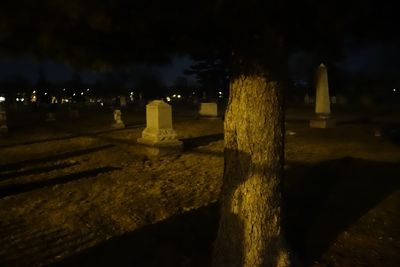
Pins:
x: 101, y: 104
x: 34, y: 92
x: 193, y: 93
x: 45, y: 93
x: 17, y: 99
x: 220, y: 92
x: 131, y: 93
x: 179, y: 96
x: 87, y: 90
x: 168, y: 99
x: 2, y: 99
x: 22, y: 99
x: 173, y: 95
x: 74, y: 94
x: 64, y: 89
x: 81, y: 93
x: 394, y: 90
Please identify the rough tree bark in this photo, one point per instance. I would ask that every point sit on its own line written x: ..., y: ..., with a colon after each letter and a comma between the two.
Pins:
x: 250, y: 224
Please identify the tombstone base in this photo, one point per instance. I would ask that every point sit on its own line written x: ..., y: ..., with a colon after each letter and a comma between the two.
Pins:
x: 322, y: 123
x: 160, y: 148
x: 119, y: 125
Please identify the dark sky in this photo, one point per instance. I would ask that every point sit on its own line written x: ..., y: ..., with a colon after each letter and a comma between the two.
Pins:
x: 25, y: 67
x: 377, y: 61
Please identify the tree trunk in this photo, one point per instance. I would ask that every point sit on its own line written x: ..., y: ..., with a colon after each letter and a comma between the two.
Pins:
x: 250, y: 224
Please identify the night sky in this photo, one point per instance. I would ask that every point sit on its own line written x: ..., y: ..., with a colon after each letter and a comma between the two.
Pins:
x: 55, y: 71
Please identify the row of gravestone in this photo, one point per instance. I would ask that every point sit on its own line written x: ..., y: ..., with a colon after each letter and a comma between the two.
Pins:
x: 159, y: 129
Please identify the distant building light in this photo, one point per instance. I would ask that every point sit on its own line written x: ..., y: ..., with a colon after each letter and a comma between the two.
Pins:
x: 193, y: 93
x: 17, y: 99
x: 45, y: 93
x: 394, y: 90
x: 87, y: 90
x: 179, y: 96
x: 73, y: 94
x: 22, y: 99
x: 63, y: 89
x: 131, y: 93
x: 2, y: 99
x: 34, y: 92
x: 174, y: 95
x: 220, y: 92
x: 81, y: 93
x: 168, y: 99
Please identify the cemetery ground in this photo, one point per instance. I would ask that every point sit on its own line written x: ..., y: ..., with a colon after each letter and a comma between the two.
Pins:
x: 79, y: 193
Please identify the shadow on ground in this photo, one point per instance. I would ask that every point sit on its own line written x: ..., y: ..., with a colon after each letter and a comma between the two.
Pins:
x: 190, y: 143
x: 320, y: 201
x: 13, y: 189
x: 185, y: 240
x: 61, y: 156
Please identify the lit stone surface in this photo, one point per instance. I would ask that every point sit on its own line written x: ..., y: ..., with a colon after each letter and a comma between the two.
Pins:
x: 159, y: 131
x: 3, y: 121
x: 208, y: 110
x: 118, y: 123
x: 322, y: 101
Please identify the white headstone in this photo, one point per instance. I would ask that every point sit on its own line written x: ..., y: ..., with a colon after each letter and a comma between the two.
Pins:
x: 159, y: 131
x: 118, y: 123
x: 322, y: 105
x: 322, y: 101
x: 208, y: 110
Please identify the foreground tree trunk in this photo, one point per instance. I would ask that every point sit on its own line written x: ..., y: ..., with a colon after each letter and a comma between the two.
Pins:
x: 250, y: 225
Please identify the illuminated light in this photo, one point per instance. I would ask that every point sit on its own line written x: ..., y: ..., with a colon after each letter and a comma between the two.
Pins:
x: 131, y: 93
x: 394, y: 90
x: 81, y: 93
x: 173, y: 95
x: 87, y: 90
x: 74, y: 94
x: 101, y: 103
x: 179, y: 96
x: 34, y: 92
x: 17, y: 99
x: 45, y: 93
x: 22, y: 99
x: 220, y: 92
x: 2, y: 99
x: 64, y: 89
x: 168, y: 99
x: 193, y: 93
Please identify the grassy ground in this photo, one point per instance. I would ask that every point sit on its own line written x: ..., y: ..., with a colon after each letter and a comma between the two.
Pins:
x: 94, y: 198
